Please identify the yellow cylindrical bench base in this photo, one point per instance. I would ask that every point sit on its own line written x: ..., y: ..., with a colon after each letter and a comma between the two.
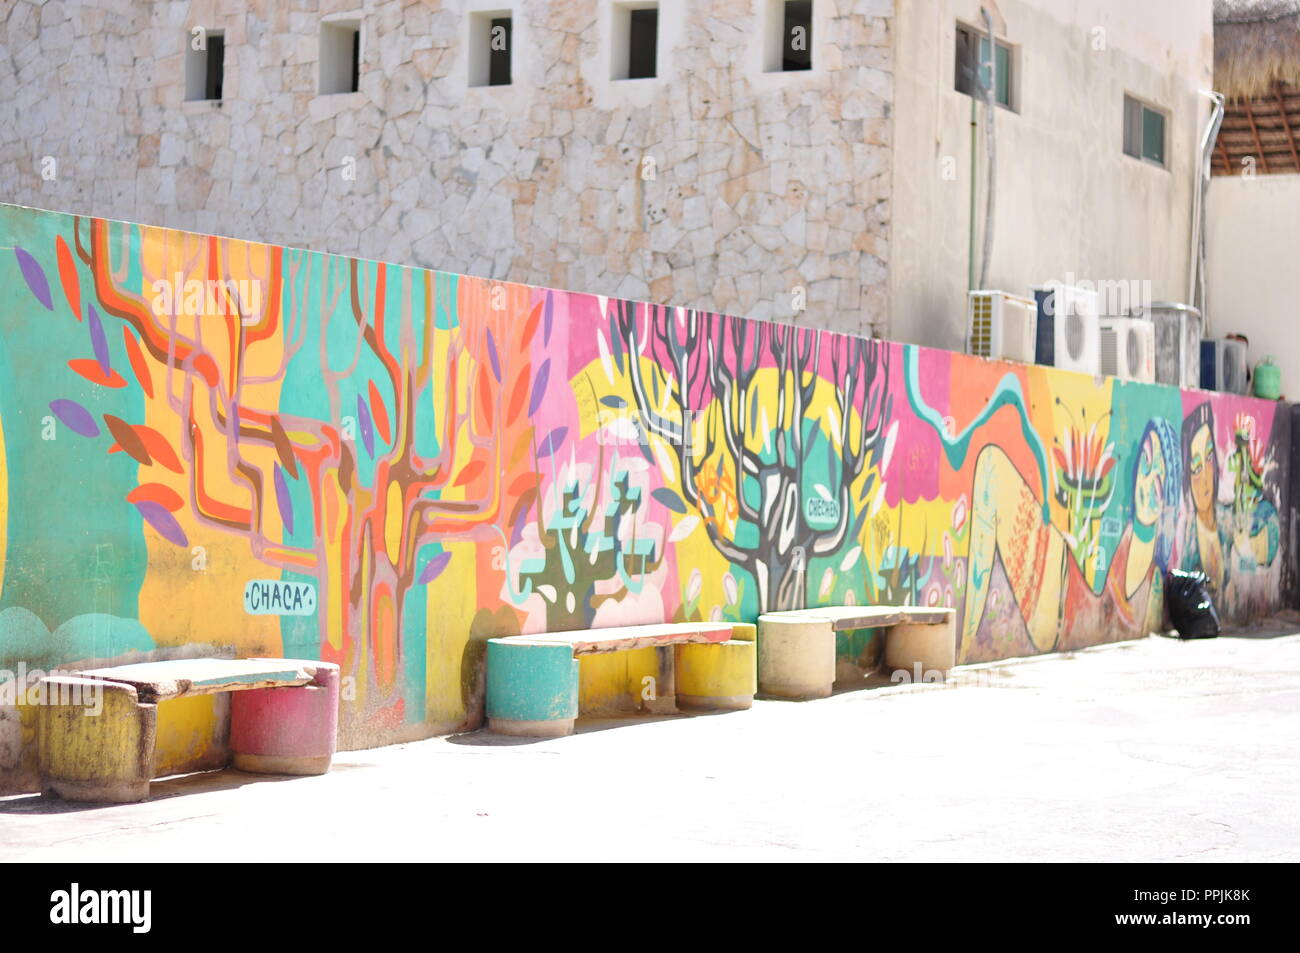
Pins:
x: 717, y: 676
x: 96, y: 740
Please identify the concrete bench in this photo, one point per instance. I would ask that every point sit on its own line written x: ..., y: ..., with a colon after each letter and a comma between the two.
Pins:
x: 532, y: 680
x: 796, y: 649
x: 283, y: 720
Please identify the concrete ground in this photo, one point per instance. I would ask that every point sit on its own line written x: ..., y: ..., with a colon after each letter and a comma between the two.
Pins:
x: 1156, y: 750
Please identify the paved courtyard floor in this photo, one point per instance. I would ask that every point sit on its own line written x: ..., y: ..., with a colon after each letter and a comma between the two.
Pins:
x: 1155, y: 750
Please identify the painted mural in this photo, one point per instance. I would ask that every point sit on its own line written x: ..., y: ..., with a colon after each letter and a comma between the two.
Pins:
x: 217, y: 445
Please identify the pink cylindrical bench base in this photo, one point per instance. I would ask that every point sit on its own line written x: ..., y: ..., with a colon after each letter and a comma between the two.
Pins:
x: 286, y: 730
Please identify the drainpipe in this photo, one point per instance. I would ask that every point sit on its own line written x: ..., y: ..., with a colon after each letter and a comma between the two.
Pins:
x: 1196, y: 289
x: 970, y: 231
x: 989, y: 93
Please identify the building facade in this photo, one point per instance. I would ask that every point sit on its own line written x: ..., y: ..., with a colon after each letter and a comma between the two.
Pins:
x: 722, y: 181
x: 1070, y: 203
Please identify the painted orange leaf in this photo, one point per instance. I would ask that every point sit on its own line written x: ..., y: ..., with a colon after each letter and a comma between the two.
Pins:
x: 531, y: 325
x: 380, y: 413
x: 158, y: 447
x: 156, y: 493
x: 90, y: 369
x: 519, y: 394
x: 523, y: 482
x: 68, y: 276
x: 471, y: 470
x: 138, y: 364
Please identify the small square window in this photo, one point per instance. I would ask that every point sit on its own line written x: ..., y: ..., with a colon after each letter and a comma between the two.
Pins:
x: 1144, y: 131
x: 635, y: 35
x: 788, y: 39
x: 796, y: 35
x: 205, y: 66
x: 972, y: 71
x: 491, y: 41
x: 340, y: 56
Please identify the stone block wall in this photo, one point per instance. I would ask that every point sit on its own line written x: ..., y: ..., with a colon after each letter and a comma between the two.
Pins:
x: 764, y: 183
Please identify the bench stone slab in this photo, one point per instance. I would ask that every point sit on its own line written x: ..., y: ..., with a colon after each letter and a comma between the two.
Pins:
x: 179, y: 678
x: 628, y: 637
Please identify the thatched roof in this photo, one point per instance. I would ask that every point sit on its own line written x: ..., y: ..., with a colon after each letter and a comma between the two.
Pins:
x: 1256, y: 44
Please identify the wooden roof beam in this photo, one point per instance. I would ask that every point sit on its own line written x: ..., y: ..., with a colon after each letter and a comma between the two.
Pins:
x: 1286, y: 123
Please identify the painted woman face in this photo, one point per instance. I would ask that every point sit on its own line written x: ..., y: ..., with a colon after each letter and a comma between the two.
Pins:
x: 1149, y: 486
x: 1200, y: 470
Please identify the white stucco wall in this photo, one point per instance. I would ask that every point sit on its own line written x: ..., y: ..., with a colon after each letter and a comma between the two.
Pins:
x: 1068, y: 200
x: 1253, y: 267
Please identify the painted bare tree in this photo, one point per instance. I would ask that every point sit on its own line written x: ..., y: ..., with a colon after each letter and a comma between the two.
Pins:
x: 773, y: 493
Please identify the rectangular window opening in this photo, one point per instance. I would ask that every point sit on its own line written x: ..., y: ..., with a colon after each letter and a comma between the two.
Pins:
x: 491, y: 42
x: 635, y: 41
x: 642, y: 40
x: 499, y: 52
x: 972, y: 71
x: 340, y: 57
x: 205, y: 68
x: 796, y: 35
x: 1144, y: 131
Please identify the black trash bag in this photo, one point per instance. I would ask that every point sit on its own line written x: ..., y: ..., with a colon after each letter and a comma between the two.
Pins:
x: 1187, y: 594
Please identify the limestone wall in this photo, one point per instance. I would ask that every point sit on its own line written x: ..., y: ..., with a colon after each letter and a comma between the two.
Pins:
x: 764, y: 182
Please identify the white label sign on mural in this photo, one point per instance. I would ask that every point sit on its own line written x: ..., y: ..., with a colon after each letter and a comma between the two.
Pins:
x: 277, y: 597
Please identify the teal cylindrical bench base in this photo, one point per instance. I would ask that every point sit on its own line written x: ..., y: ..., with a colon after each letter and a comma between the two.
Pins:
x: 532, y: 687
x: 531, y: 729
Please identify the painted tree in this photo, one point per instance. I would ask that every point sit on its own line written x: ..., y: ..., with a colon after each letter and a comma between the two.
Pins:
x: 453, y: 361
x: 766, y: 429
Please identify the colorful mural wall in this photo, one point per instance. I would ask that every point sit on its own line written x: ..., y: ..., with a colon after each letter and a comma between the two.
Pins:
x: 212, y: 445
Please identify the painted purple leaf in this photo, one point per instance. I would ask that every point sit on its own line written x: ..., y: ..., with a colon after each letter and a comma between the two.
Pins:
x: 517, y: 533
x: 539, y: 386
x: 75, y: 417
x: 433, y: 568
x: 97, y: 339
x: 367, y: 430
x: 34, y: 277
x: 546, y: 319
x: 157, y: 516
x: 492, y: 356
x: 552, y: 443
x: 283, y: 500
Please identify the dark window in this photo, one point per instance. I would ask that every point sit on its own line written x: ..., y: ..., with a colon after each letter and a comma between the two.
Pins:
x: 356, y: 61
x: 796, y: 35
x: 340, y: 57
x: 642, y: 40
x: 1144, y: 131
x: 972, y: 73
x: 499, y: 52
x: 215, y: 67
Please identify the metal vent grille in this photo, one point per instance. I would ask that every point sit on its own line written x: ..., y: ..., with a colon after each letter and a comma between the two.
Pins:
x: 1110, y: 352
x: 981, y: 325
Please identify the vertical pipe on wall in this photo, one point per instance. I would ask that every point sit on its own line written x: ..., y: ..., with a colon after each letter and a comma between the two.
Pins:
x: 970, y: 237
x: 1196, y: 291
x: 990, y: 93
